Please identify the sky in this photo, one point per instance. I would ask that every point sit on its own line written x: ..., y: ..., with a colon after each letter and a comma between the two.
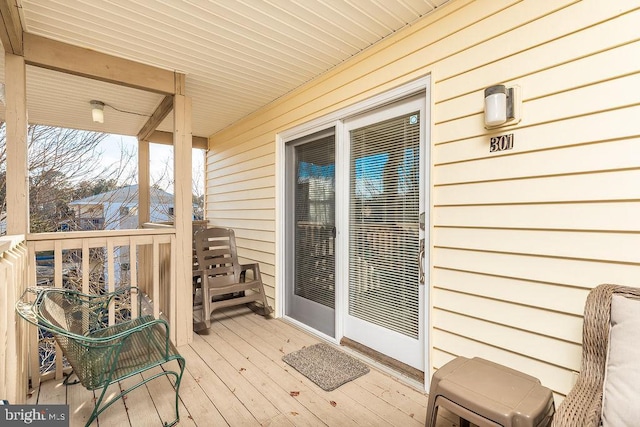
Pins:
x: 160, y: 155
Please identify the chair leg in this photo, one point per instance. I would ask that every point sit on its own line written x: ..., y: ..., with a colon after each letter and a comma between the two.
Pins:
x: 206, y: 306
x: 182, y: 364
x: 265, y: 304
x: 97, y: 410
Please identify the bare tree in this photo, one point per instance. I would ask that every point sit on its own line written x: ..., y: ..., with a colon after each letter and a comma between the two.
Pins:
x: 65, y: 165
x: 164, y: 179
x: 62, y: 165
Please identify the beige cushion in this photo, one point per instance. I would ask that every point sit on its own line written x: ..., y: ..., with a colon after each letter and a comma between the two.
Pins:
x: 621, y: 395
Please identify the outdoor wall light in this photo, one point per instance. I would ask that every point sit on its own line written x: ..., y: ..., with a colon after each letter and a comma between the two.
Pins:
x: 97, y: 111
x: 499, y: 105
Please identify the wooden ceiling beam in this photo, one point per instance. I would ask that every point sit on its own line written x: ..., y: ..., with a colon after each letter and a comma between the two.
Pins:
x: 11, y: 30
x: 156, y: 118
x: 166, y: 138
x: 149, y: 131
x: 54, y: 55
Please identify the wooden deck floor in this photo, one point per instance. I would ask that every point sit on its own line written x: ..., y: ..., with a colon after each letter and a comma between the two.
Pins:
x: 235, y: 376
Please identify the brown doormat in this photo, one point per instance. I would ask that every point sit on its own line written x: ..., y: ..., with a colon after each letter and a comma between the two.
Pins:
x: 326, y: 366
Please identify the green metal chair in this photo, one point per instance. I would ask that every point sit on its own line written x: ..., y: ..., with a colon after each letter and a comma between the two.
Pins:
x: 102, y: 354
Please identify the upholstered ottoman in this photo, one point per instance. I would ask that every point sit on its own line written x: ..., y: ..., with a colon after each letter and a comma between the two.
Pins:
x: 488, y: 394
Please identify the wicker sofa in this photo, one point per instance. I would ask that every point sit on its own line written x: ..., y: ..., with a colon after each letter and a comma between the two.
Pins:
x: 584, y: 406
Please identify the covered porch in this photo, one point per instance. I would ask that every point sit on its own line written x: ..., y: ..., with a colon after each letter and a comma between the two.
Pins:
x: 514, y: 235
x: 53, y: 79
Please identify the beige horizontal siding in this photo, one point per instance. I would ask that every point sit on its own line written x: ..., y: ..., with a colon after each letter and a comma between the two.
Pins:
x: 506, y: 313
x: 524, y: 342
x: 605, y: 216
x: 257, y: 171
x: 600, y: 186
x: 535, y: 43
x: 613, y: 247
x: 553, y: 135
x: 517, y: 237
x: 244, y: 195
x: 574, y: 103
x: 551, y: 218
x: 528, y: 293
x: 619, y: 55
x: 258, y: 159
x: 246, y: 184
x: 552, y: 162
x: 564, y: 271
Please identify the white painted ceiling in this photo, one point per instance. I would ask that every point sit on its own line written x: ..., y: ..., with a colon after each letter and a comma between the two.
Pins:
x: 238, y: 55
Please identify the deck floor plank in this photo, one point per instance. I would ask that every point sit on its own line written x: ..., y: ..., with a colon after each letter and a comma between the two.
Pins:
x: 259, y: 406
x: 51, y: 392
x: 308, y: 394
x: 393, y: 395
x: 243, y: 341
x: 288, y: 407
x: 235, y: 376
x: 200, y: 407
x: 411, y: 401
x: 279, y: 383
x: 116, y: 414
x: 270, y: 340
x: 231, y: 408
x: 379, y: 406
x: 408, y: 400
x: 81, y: 402
x: 139, y: 404
x: 162, y: 393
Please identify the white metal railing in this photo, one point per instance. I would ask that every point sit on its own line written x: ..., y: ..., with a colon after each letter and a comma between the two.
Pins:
x: 13, y: 332
x: 96, y: 262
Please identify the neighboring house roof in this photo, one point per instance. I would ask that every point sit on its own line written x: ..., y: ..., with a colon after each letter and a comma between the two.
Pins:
x: 128, y: 194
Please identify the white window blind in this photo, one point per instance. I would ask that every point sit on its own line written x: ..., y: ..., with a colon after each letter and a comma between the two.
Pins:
x: 383, y: 224
x: 315, y: 221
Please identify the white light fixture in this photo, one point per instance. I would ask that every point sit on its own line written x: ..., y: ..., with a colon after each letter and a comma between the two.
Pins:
x: 97, y: 111
x: 499, y: 105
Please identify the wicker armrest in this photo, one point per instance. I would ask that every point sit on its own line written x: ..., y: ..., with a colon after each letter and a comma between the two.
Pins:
x: 583, y: 405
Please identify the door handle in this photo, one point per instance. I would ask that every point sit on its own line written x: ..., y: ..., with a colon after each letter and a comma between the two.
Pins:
x: 421, y: 262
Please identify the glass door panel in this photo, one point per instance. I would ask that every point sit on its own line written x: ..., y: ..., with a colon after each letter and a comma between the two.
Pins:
x: 311, y: 232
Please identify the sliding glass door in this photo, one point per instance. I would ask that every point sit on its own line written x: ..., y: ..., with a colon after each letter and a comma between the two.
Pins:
x: 356, y: 191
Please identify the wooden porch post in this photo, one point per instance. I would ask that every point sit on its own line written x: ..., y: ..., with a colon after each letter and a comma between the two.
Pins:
x: 16, y: 133
x: 144, y: 195
x: 145, y: 253
x: 183, y: 214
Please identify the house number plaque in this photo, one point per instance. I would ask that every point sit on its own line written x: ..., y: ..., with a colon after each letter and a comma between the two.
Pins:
x: 501, y: 143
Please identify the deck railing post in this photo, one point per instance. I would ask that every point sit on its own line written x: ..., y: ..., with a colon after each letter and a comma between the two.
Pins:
x: 93, y: 262
x: 14, y: 360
